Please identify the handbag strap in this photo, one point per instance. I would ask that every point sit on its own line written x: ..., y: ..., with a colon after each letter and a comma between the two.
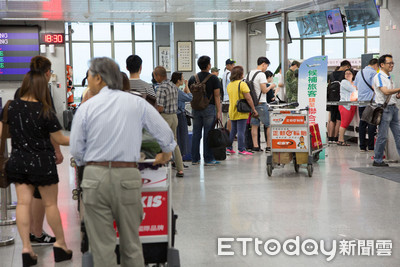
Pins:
x: 239, y: 90
x: 362, y: 74
x: 387, y: 101
x: 4, y: 132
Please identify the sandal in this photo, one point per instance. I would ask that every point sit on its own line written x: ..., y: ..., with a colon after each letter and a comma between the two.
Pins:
x: 340, y: 143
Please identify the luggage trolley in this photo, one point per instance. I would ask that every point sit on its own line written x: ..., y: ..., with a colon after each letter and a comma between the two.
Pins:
x: 291, y: 139
x: 157, y: 230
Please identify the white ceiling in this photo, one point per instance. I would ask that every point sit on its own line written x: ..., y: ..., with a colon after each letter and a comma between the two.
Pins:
x: 158, y: 10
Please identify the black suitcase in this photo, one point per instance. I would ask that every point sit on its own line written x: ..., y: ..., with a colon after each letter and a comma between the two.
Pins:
x: 68, y: 115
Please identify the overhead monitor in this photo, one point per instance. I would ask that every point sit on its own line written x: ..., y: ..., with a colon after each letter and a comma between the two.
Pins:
x: 307, y: 26
x: 322, y: 24
x: 278, y: 26
x: 362, y: 15
x: 18, y: 44
x: 335, y: 21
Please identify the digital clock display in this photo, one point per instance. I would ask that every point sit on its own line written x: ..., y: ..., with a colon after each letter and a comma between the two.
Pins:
x: 52, y: 38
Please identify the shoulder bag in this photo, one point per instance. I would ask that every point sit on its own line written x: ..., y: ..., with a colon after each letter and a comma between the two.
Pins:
x: 372, y: 114
x: 4, y: 182
x: 241, y: 104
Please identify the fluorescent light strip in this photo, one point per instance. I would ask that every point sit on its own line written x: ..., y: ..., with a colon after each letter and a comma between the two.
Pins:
x: 207, y: 18
x: 241, y: 1
x: 28, y: 0
x: 23, y: 10
x: 132, y: 11
x: 229, y: 10
x: 22, y: 19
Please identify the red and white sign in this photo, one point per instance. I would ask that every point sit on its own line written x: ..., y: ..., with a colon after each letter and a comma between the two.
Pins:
x: 290, y: 138
x: 155, y: 214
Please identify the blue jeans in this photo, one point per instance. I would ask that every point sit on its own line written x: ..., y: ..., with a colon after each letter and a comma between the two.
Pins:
x: 182, y: 134
x: 263, y: 115
x: 390, y: 118
x: 239, y: 127
x: 202, y: 119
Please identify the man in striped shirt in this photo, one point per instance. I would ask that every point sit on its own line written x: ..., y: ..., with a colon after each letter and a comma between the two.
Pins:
x: 106, y: 136
x: 134, y: 66
x: 167, y: 105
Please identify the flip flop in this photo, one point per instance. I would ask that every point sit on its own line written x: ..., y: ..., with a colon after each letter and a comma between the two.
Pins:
x: 339, y: 143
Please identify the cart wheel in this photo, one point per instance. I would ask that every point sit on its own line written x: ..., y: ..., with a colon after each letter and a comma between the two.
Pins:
x: 75, y: 197
x: 310, y: 170
x: 269, y: 169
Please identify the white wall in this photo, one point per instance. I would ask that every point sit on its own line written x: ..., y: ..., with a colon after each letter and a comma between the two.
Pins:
x: 58, y: 66
x: 257, y: 45
x: 183, y: 31
x: 389, y: 44
x: 239, y: 43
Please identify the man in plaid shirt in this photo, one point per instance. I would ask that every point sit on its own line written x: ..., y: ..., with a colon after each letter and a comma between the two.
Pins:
x: 167, y: 101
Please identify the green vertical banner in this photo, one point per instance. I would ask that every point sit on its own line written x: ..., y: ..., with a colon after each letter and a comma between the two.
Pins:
x: 312, y: 86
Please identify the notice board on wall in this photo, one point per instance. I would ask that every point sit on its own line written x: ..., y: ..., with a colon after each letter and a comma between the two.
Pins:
x: 18, y: 44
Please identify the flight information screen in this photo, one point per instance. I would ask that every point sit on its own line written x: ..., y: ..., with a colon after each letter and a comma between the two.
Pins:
x: 18, y: 44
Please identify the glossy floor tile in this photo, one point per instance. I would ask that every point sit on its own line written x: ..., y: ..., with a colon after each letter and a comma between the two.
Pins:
x: 238, y: 200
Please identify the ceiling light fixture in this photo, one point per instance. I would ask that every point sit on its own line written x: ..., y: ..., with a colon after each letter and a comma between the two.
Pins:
x: 23, y: 11
x: 22, y: 19
x: 28, y: 0
x: 207, y: 18
x: 132, y: 11
x: 257, y: 1
x: 229, y: 10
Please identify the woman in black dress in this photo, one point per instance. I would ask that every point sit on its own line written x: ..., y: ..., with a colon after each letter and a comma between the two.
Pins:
x: 32, y: 162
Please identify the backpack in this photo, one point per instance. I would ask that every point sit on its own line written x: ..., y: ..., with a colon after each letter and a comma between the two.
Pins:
x: 198, y: 89
x: 333, y: 93
x: 250, y: 84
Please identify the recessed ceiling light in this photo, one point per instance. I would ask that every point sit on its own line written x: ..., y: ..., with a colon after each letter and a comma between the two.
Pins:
x: 22, y: 19
x: 229, y: 10
x: 132, y: 11
x: 207, y: 18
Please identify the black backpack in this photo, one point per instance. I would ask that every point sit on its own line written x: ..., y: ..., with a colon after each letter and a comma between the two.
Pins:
x: 250, y: 84
x: 198, y: 89
x: 333, y: 93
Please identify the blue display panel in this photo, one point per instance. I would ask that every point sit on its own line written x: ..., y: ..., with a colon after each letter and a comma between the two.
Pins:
x: 18, y: 44
x: 362, y: 15
x: 312, y: 25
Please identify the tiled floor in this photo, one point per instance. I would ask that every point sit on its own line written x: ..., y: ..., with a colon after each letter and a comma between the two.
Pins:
x: 238, y: 199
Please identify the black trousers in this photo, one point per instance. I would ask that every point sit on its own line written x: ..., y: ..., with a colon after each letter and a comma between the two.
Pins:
x: 362, y: 130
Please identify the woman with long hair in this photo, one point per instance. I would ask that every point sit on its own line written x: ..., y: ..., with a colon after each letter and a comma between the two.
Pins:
x: 184, y: 96
x: 238, y: 89
x: 32, y: 122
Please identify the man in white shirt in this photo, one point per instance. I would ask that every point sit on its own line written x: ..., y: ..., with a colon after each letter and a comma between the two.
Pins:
x: 229, y: 64
x: 260, y: 86
x: 385, y: 90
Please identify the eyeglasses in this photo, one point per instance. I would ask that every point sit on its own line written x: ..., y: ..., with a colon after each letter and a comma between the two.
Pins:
x: 390, y: 63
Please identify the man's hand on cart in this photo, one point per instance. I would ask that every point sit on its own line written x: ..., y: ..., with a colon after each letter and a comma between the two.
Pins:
x: 162, y: 158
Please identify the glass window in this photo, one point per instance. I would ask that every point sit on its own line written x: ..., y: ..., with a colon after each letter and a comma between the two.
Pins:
x: 354, y: 48
x: 272, y: 54
x: 203, y: 30
x: 102, y: 50
x: 122, y: 52
x: 66, y: 32
x: 78, y: 93
x: 143, y: 31
x: 222, y: 54
x: 101, y: 32
x: 373, y: 31
x: 312, y: 48
x: 67, y: 53
x: 223, y: 30
x: 270, y: 30
x: 334, y: 48
x: 357, y: 33
x: 81, y: 32
x: 145, y: 51
x: 122, y: 31
x: 204, y: 49
x: 80, y: 59
x: 294, y: 29
x: 373, y: 45
x: 294, y: 50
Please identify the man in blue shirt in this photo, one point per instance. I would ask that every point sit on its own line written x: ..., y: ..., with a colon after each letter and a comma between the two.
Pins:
x: 106, y: 136
x: 364, y: 82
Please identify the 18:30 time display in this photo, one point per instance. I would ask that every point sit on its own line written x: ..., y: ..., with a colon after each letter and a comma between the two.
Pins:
x: 52, y: 38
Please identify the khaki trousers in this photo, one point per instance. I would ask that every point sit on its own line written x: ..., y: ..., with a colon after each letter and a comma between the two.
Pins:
x: 108, y: 194
x: 172, y: 120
